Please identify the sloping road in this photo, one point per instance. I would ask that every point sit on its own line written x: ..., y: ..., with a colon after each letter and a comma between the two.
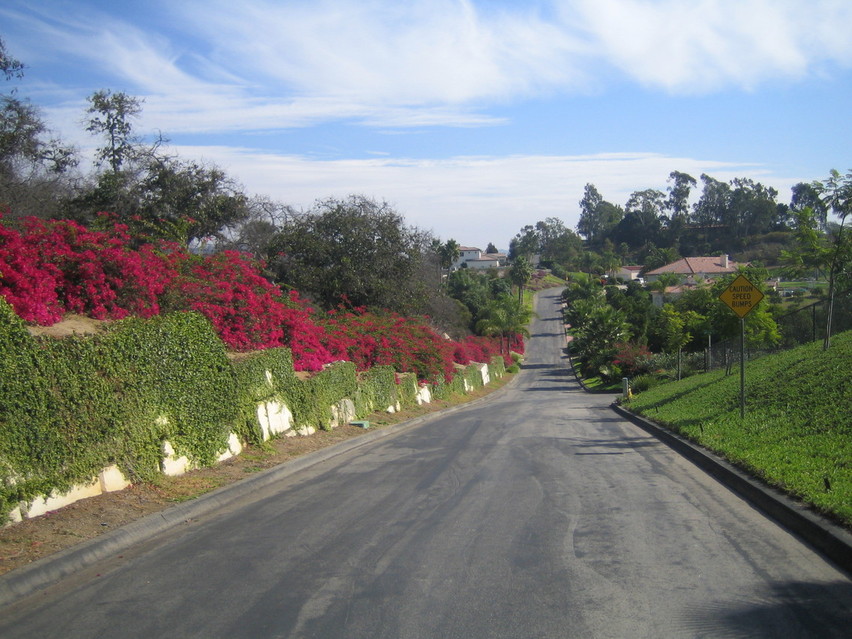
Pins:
x: 539, y: 513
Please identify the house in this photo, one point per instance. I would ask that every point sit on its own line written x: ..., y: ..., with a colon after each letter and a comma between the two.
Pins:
x: 628, y: 273
x: 694, y: 268
x: 472, y: 257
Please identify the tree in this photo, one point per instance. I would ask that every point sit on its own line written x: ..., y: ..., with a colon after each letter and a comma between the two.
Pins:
x: 506, y: 318
x: 676, y: 329
x: 711, y: 209
x: 33, y: 165
x: 185, y: 201
x: 643, y: 219
x: 111, y: 116
x: 657, y: 257
x: 752, y: 207
x: 807, y: 195
x: 596, y: 339
x: 448, y: 253
x: 10, y: 66
x: 597, y: 216
x: 520, y: 274
x: 491, y: 249
x: 357, y: 249
x: 525, y: 243
x: 678, y: 201
x: 836, y: 259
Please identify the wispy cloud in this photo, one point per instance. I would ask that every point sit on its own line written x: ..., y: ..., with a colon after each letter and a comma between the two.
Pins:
x: 481, y: 199
x: 703, y: 46
x: 217, y: 65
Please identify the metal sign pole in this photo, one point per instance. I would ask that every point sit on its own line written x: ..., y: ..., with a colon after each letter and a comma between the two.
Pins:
x: 741, y: 297
x: 742, y: 367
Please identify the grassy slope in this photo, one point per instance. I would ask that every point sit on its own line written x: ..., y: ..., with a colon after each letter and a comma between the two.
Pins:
x: 797, y: 432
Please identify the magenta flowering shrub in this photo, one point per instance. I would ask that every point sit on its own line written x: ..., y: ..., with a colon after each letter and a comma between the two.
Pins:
x: 53, y: 267
x: 49, y: 268
x: 244, y: 308
x: 478, y: 349
x: 387, y: 339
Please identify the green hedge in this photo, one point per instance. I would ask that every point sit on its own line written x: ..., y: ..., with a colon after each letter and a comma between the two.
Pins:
x: 73, y: 406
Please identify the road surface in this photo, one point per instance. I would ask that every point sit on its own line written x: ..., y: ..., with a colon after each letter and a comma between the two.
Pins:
x: 538, y: 513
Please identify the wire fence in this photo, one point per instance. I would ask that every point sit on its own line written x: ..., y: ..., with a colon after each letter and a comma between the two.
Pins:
x: 797, y: 327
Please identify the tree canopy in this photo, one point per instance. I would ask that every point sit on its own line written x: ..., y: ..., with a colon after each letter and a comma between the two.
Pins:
x: 356, y: 250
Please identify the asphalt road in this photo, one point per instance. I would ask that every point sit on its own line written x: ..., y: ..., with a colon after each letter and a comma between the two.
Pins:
x: 539, y: 513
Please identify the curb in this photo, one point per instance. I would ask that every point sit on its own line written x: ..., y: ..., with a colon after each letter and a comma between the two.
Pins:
x: 826, y: 537
x: 40, y: 574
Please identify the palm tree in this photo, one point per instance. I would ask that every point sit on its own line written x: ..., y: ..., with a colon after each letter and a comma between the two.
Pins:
x: 520, y: 274
x: 505, y: 317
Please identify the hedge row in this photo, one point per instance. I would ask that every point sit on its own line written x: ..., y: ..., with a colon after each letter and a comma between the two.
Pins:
x: 71, y: 407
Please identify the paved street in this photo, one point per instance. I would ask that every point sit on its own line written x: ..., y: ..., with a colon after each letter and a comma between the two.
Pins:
x: 537, y: 513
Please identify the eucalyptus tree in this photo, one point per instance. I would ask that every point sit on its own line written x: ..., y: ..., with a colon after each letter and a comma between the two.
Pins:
x: 597, y: 216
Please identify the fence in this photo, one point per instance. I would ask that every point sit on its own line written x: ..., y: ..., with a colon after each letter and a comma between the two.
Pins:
x: 797, y: 327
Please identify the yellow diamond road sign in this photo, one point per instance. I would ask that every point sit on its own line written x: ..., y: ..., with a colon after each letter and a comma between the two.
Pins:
x: 742, y: 296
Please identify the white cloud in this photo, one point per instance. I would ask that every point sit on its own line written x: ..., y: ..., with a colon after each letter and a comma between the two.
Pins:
x: 216, y: 65
x: 705, y: 45
x: 475, y: 200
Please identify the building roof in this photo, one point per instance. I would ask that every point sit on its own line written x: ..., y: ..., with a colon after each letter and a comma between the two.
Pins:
x: 698, y: 266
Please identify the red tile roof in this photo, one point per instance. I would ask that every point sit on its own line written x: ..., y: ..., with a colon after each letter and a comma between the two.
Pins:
x: 698, y: 266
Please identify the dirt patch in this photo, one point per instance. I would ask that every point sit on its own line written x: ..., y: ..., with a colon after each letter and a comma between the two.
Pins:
x: 70, y: 325
x: 33, y: 539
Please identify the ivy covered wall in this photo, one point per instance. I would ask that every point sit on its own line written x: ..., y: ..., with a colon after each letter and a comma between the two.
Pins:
x: 71, y: 407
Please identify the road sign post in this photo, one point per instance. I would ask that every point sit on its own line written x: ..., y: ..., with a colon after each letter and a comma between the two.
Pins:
x: 742, y: 297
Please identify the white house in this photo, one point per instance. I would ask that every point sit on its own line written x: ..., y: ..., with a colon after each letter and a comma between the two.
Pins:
x: 472, y: 257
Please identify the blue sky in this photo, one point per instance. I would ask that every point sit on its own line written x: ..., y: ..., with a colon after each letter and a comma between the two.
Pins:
x: 473, y: 118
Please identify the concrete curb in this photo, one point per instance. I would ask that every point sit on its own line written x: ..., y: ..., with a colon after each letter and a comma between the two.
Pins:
x: 28, y: 579
x: 831, y: 540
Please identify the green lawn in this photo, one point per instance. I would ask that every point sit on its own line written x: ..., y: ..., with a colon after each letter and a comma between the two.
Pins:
x: 797, y: 432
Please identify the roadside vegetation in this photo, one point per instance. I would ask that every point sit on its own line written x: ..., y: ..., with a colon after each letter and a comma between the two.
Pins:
x: 145, y: 233
x: 797, y: 432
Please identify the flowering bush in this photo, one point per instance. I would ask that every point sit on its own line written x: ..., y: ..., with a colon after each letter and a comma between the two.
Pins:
x: 631, y: 358
x: 54, y: 267
x: 48, y: 268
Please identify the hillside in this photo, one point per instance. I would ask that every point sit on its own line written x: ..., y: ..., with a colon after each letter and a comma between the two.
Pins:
x: 797, y: 432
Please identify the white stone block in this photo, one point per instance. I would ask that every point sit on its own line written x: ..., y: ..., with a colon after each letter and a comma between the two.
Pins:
x: 424, y: 396
x: 235, y: 447
x: 173, y: 465
x: 14, y: 516
x: 342, y: 412
x: 486, y: 378
x: 275, y: 418
x: 55, y: 500
x: 112, y: 479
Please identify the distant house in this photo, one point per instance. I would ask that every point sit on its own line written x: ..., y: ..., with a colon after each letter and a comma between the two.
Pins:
x: 693, y: 268
x: 501, y: 258
x: 472, y: 257
x: 628, y: 273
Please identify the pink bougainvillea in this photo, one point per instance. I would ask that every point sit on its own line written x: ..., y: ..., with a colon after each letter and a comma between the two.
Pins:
x: 49, y: 268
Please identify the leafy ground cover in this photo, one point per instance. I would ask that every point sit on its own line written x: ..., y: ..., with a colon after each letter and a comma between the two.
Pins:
x: 33, y: 539
x: 797, y: 431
